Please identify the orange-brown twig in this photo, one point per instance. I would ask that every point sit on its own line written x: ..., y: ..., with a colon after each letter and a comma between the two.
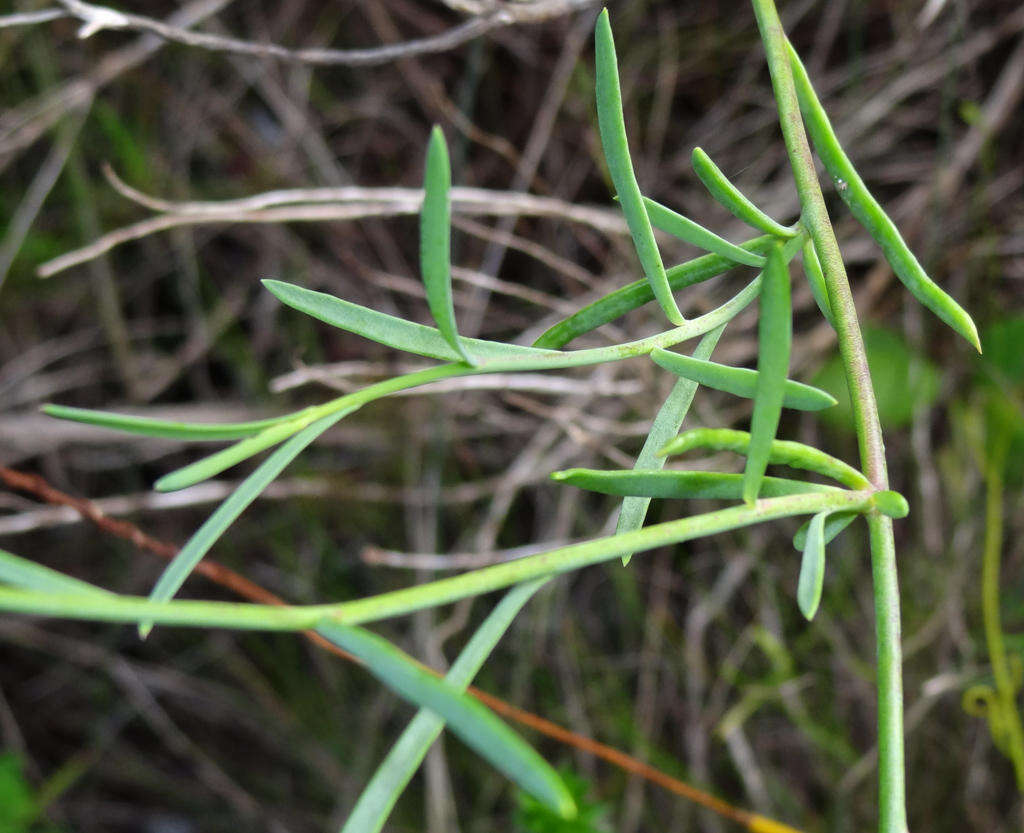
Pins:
x: 239, y: 584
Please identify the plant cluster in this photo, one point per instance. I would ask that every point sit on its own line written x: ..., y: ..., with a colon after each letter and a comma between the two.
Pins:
x: 753, y: 496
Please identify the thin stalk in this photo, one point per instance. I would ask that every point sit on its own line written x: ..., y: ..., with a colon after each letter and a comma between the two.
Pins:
x: 102, y: 608
x: 1006, y: 689
x: 814, y: 216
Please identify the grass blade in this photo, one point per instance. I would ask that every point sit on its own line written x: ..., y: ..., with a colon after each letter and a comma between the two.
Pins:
x: 774, y: 336
x: 812, y: 568
x: 783, y: 452
x: 674, y: 223
x: 148, y: 427
x: 870, y: 214
x: 612, y: 127
x: 740, y: 381
x: 816, y: 279
x: 680, y: 484
x: 435, y: 241
x: 476, y: 725
x: 198, y: 545
x: 380, y: 794
x: 630, y: 297
x: 28, y: 575
x: 387, y: 329
x: 666, y: 424
x: 734, y: 200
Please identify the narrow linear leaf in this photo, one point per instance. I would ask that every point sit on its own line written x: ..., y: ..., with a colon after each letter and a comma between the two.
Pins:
x: 734, y: 200
x: 219, y: 461
x: 812, y: 567
x: 387, y: 329
x: 476, y: 725
x: 666, y: 424
x: 774, y: 335
x: 680, y: 484
x: 740, y: 381
x: 612, y: 127
x: 20, y: 572
x: 198, y: 545
x: 435, y: 241
x: 783, y: 453
x: 671, y: 222
x: 148, y: 427
x: 835, y: 523
x: 870, y: 214
x: 378, y: 798
x: 816, y: 280
x: 634, y: 295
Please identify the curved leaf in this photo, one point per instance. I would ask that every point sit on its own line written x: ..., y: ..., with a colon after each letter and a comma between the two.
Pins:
x: 476, y: 725
x: 734, y: 200
x: 674, y: 223
x: 812, y: 568
x: 740, y: 381
x: 612, y: 127
x: 680, y: 484
x: 170, y: 429
x: 435, y: 241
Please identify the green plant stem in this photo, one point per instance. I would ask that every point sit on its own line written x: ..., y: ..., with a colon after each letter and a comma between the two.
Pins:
x: 814, y: 216
x: 990, y: 569
x: 97, y: 607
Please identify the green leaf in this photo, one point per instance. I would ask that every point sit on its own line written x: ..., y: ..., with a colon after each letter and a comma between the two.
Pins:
x: 612, y: 126
x: 671, y: 222
x: 20, y: 572
x: 783, y: 452
x: 835, y: 523
x: 812, y: 568
x: 634, y: 295
x: 224, y: 459
x: 378, y: 798
x: 903, y: 379
x: 667, y: 422
x: 389, y: 330
x: 816, y: 280
x: 774, y: 336
x: 198, y: 545
x: 733, y: 199
x: 466, y: 717
x: 435, y: 241
x: 680, y: 484
x: 740, y: 381
x: 162, y: 428
x: 870, y: 214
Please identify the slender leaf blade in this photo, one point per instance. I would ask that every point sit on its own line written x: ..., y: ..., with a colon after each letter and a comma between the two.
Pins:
x: 170, y: 429
x: 816, y: 280
x: 835, y: 523
x: 387, y: 329
x: 812, y: 568
x: 680, y: 484
x: 28, y: 575
x: 734, y: 200
x: 674, y: 223
x: 775, y: 334
x: 740, y: 381
x: 435, y: 241
x: 476, y: 725
x: 612, y: 127
x: 378, y: 798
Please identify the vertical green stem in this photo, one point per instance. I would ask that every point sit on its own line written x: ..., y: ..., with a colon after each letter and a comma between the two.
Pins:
x: 1006, y: 686
x: 891, y: 789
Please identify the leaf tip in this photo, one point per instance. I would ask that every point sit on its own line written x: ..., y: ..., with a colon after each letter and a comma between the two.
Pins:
x: 892, y: 504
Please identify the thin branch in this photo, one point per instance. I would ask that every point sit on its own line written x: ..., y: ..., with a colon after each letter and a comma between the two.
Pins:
x: 330, y: 204
x: 97, y: 18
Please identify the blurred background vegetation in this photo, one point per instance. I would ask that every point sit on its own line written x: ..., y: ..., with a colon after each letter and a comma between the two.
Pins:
x: 695, y: 658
